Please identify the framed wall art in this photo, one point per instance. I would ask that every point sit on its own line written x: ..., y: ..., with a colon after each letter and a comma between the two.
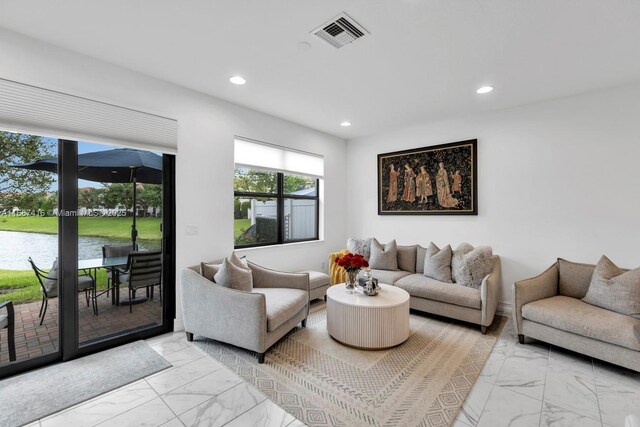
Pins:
x: 436, y: 180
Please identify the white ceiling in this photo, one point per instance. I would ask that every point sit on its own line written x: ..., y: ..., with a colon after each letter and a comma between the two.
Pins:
x: 423, y: 60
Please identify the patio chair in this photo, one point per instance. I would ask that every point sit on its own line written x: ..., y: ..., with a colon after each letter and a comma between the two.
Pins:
x: 114, y: 251
x: 144, y: 270
x: 8, y: 321
x: 49, y: 286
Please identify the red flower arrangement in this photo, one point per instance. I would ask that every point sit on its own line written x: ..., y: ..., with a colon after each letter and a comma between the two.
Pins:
x: 352, y: 262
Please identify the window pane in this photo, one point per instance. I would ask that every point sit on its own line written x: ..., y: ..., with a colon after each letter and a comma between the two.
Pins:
x: 255, y: 221
x: 300, y: 220
x: 300, y: 185
x: 255, y: 181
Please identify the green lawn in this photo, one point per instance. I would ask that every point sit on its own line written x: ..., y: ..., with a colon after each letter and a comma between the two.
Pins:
x: 239, y: 226
x: 21, y: 286
x: 148, y: 228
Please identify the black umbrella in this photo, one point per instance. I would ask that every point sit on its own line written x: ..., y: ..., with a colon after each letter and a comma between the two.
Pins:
x: 119, y: 165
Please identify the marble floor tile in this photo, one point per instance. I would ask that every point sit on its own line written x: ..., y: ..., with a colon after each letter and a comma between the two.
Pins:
x: 524, y: 370
x: 170, y: 345
x: 265, y: 414
x: 296, y: 423
x: 191, y: 395
x: 568, y: 389
x: 173, y: 423
x: 566, y: 360
x: 173, y: 378
x: 475, y: 402
x: 492, y: 367
x: 153, y: 413
x: 103, y: 407
x: 459, y: 423
x: 507, y: 408
x: 184, y: 356
x: 555, y: 416
x: 224, y: 407
x: 619, y: 400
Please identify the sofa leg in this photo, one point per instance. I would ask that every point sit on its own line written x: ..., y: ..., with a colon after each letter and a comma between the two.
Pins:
x: 260, y: 357
x: 483, y: 329
x: 189, y: 336
x: 325, y: 298
x: 521, y: 338
x: 304, y: 323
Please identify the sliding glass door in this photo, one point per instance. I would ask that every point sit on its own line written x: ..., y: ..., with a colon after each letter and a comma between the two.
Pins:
x: 104, y: 249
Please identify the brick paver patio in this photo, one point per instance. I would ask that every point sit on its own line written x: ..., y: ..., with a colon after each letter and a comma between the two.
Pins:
x: 33, y: 339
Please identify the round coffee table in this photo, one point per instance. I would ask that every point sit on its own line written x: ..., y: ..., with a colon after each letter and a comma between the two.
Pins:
x: 365, y: 322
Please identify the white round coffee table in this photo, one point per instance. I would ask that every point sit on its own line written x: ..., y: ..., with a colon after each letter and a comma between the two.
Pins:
x: 365, y: 322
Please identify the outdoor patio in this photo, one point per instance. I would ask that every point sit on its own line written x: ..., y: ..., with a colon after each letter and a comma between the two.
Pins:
x: 33, y: 339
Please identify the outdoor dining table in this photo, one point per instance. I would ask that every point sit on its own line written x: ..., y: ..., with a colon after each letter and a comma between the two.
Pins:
x: 109, y: 263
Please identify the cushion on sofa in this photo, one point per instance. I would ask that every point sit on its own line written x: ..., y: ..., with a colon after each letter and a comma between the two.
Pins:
x: 469, y: 265
x: 388, y: 277
x: 384, y: 257
x: 425, y: 287
x: 576, y: 316
x: 420, y: 254
x: 209, y: 270
x: 231, y: 276
x: 282, y: 304
x: 614, y: 289
x: 407, y: 258
x: 360, y: 246
x: 574, y: 278
x: 437, y: 263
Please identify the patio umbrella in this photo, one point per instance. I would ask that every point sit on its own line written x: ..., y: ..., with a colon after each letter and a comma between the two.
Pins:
x: 120, y: 165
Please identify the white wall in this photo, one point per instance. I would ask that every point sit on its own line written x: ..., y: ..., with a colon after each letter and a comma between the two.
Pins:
x: 555, y: 179
x: 204, y: 164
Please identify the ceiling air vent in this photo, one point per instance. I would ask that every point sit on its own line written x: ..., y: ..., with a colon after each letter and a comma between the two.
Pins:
x: 340, y: 31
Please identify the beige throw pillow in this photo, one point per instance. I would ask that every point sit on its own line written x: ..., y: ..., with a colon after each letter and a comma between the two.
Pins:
x: 469, y: 265
x: 234, y: 277
x: 208, y: 270
x: 437, y: 263
x: 614, y: 289
x: 384, y: 257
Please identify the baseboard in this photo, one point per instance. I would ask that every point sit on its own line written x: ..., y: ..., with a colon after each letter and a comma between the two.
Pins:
x: 504, y: 309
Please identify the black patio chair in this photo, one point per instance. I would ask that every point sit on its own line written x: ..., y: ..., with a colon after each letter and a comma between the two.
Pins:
x: 8, y: 321
x: 49, y: 286
x: 144, y: 270
x: 114, y: 251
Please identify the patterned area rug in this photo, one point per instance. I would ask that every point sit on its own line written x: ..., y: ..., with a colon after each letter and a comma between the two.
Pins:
x: 422, y: 382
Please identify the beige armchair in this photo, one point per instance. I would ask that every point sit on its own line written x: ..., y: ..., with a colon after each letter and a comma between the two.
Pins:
x: 252, y: 320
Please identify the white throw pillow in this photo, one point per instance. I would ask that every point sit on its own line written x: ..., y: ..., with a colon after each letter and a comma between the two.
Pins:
x: 360, y: 247
x: 469, y: 265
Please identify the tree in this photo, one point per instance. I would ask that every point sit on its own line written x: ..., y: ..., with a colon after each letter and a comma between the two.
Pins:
x: 253, y: 181
x: 18, y: 148
x: 150, y: 196
x: 117, y: 195
x: 91, y: 198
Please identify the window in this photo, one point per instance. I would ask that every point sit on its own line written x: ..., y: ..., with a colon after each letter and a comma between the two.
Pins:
x: 274, y: 207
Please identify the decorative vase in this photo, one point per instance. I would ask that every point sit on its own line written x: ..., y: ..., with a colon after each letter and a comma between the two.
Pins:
x: 352, y: 280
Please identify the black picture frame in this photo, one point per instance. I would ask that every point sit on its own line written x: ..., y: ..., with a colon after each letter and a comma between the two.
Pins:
x: 439, y: 180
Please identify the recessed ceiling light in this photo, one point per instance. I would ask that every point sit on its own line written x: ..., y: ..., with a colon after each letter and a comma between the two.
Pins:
x: 345, y: 124
x: 484, y: 89
x: 237, y: 80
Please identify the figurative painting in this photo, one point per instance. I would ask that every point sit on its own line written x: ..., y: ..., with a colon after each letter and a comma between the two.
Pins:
x: 436, y: 180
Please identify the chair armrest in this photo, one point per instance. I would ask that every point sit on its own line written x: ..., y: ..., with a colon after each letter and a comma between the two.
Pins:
x: 267, y: 278
x: 490, y: 292
x: 223, y: 314
x: 337, y: 274
x: 536, y: 288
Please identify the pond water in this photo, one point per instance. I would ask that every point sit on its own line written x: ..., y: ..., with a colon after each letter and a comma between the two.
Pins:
x: 16, y: 247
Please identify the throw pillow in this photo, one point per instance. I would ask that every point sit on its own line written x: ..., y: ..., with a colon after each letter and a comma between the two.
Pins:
x: 407, y: 258
x: 420, y: 254
x: 360, y: 247
x: 208, y: 270
x: 237, y: 261
x: 457, y: 259
x: 231, y: 276
x: 574, y: 278
x: 50, y: 282
x: 614, y: 289
x: 471, y: 266
x: 384, y: 257
x: 437, y: 263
